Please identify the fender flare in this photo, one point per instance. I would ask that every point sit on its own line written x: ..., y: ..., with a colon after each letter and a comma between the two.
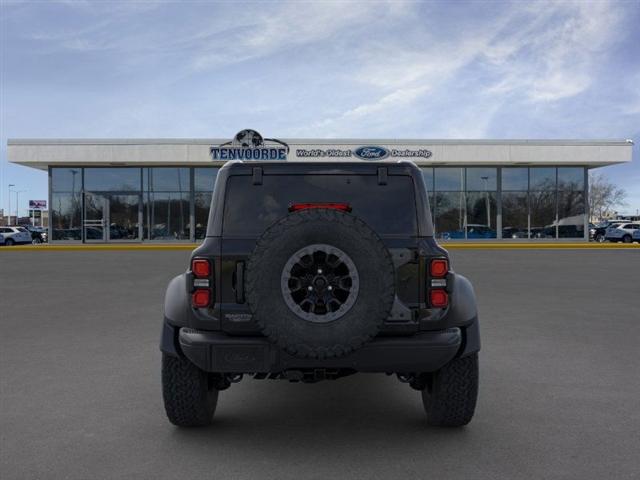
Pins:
x: 176, y: 303
x: 463, y: 312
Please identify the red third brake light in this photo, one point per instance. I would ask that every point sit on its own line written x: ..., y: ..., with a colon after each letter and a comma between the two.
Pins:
x: 201, y: 298
x: 201, y: 267
x: 439, y: 267
x: 296, y: 207
x: 439, y: 298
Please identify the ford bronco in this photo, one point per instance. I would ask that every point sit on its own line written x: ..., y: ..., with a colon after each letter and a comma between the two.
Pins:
x: 314, y: 271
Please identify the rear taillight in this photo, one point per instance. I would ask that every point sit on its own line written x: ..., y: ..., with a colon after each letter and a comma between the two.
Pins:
x: 439, y: 298
x: 439, y: 267
x: 437, y: 286
x: 201, y: 267
x: 201, y: 298
x: 202, y: 283
x: 296, y: 207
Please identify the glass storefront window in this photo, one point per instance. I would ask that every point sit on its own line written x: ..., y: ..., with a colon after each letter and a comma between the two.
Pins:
x: 204, y: 178
x: 515, y: 215
x: 166, y: 179
x: 66, y: 217
x: 571, y: 178
x: 167, y: 216
x: 427, y: 176
x: 449, y: 179
x: 112, y: 179
x: 543, y: 214
x: 515, y: 179
x: 571, y: 211
x: 450, y: 215
x: 481, y: 215
x: 202, y: 204
x: 482, y: 179
x: 542, y: 178
x: 66, y: 179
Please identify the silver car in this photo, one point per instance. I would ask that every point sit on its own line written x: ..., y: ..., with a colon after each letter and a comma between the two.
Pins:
x: 622, y: 232
x: 15, y: 235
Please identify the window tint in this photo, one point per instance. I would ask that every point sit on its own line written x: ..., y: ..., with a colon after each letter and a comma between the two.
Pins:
x: 388, y: 209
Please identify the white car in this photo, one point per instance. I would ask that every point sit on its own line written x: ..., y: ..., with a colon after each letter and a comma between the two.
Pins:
x: 623, y: 232
x: 15, y: 235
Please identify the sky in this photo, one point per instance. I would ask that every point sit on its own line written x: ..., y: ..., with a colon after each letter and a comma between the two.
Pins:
x: 385, y: 69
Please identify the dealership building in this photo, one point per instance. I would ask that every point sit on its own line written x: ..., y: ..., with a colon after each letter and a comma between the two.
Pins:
x: 132, y: 190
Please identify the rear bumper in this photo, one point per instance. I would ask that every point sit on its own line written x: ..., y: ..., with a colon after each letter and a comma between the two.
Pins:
x: 218, y: 352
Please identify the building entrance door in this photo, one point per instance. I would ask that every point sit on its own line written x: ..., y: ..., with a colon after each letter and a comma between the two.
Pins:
x: 112, y: 217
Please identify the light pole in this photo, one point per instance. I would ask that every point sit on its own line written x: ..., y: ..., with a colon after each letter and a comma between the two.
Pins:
x: 18, y: 192
x: 9, y: 214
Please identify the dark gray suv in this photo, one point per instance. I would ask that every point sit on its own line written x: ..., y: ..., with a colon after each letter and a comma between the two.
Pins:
x: 315, y: 271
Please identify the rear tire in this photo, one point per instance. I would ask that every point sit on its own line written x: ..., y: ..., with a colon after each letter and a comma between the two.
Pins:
x: 626, y: 239
x: 450, y: 395
x: 190, y: 397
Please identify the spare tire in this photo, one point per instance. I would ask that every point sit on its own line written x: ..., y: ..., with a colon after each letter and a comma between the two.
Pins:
x: 320, y: 283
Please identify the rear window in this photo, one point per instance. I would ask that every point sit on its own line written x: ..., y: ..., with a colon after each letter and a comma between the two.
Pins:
x: 389, y: 209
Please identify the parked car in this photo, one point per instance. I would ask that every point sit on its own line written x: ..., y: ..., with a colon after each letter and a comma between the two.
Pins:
x: 38, y: 234
x: 622, y: 232
x: 599, y: 231
x: 514, y: 232
x: 15, y: 235
x: 473, y: 231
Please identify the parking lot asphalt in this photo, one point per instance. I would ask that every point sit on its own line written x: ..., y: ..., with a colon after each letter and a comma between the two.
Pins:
x: 559, y: 395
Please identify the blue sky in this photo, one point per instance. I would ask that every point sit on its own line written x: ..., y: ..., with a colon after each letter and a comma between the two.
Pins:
x: 322, y: 69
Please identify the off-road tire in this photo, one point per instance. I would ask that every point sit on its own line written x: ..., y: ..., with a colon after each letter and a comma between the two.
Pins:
x: 190, y: 398
x: 450, y: 395
x: 265, y: 294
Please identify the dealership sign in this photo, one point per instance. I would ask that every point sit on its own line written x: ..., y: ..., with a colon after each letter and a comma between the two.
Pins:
x: 38, y: 204
x: 366, y: 152
x: 250, y: 145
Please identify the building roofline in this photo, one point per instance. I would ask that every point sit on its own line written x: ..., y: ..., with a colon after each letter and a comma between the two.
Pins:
x: 316, y: 141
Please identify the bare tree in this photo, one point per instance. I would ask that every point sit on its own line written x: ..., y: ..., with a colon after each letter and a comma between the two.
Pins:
x: 604, y: 196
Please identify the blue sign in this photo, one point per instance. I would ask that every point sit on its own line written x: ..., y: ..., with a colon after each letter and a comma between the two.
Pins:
x: 371, y: 153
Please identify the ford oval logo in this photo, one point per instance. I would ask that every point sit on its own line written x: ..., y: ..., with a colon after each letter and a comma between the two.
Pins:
x: 371, y: 153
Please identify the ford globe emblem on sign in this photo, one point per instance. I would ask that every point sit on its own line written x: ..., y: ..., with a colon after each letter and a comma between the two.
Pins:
x: 371, y: 153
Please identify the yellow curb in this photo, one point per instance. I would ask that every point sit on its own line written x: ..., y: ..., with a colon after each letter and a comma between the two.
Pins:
x: 447, y: 245
x: 540, y: 246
